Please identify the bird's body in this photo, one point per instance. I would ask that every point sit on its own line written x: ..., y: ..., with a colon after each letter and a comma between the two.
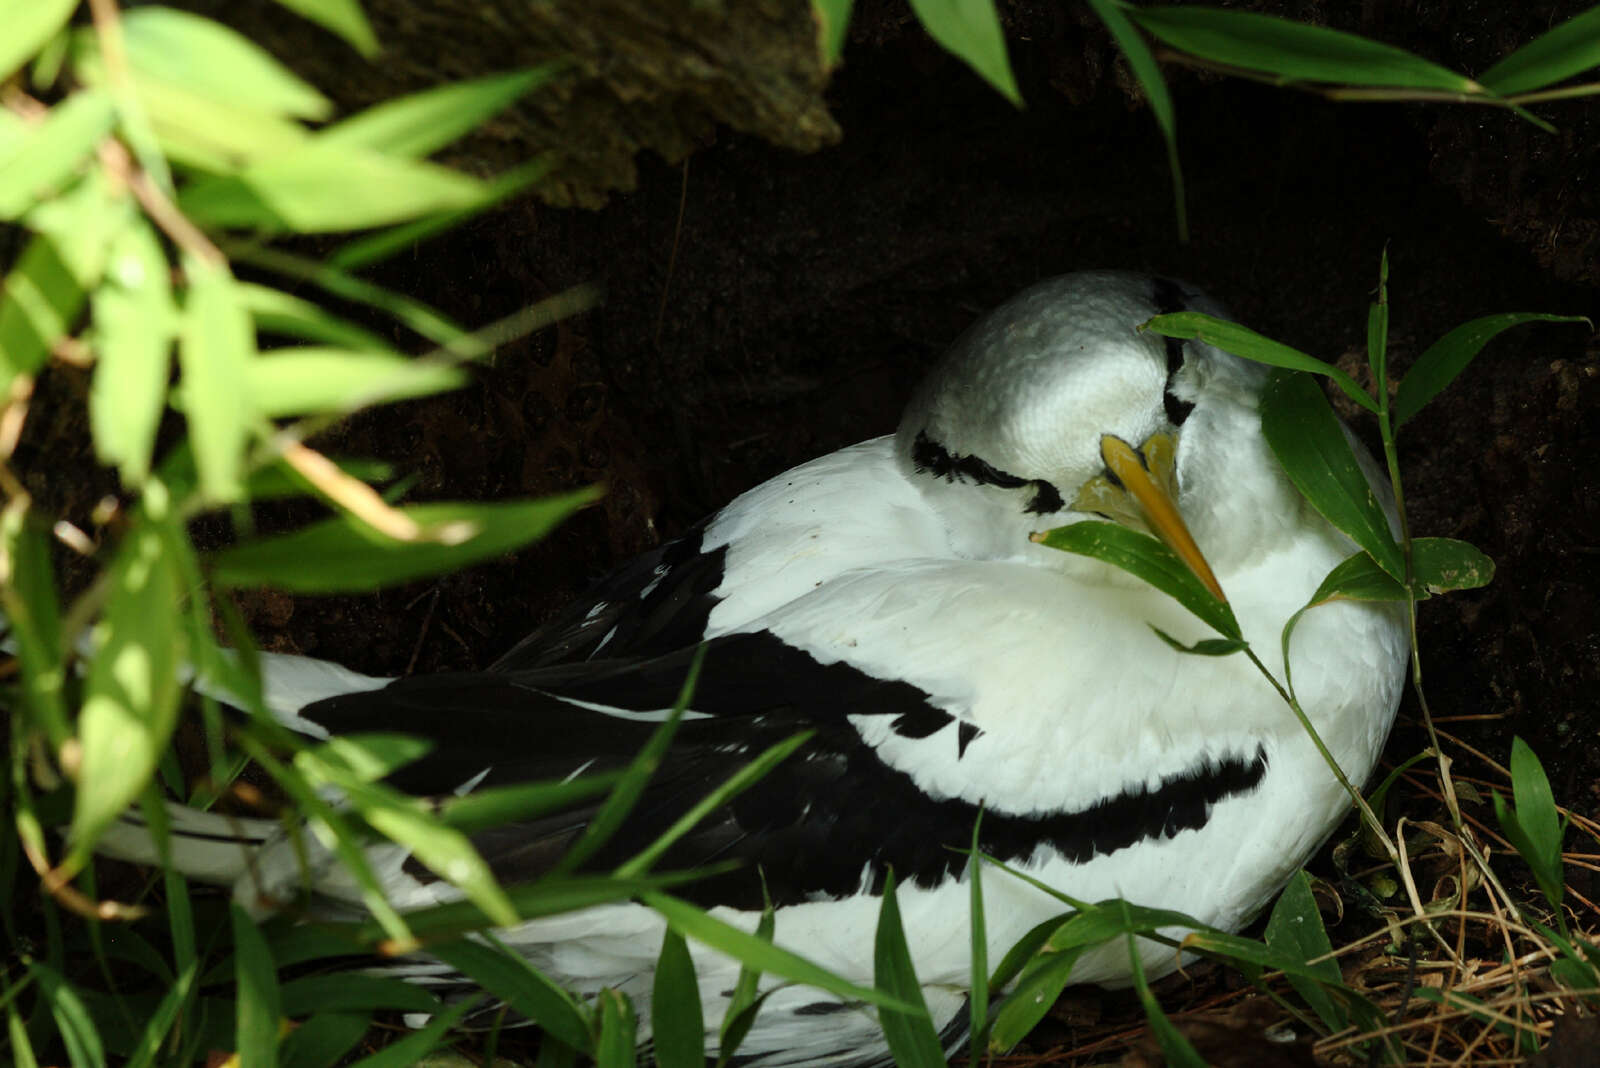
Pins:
x: 887, y: 597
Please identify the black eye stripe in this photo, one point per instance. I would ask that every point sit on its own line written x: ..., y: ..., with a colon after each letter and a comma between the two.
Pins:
x: 930, y: 456
x: 1169, y: 297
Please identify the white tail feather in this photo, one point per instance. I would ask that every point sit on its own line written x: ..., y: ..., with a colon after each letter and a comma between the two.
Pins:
x: 203, y: 846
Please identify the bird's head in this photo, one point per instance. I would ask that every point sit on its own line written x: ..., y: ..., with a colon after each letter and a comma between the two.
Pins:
x: 1055, y: 406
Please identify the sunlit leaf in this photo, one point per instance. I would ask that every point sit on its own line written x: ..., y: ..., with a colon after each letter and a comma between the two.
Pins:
x: 370, y: 757
x: 1141, y: 555
x: 1295, y: 51
x: 444, y: 850
x: 374, y: 247
x: 297, y: 381
x: 52, y: 151
x: 1446, y: 358
x: 1570, y: 48
x: 1148, y: 73
x: 257, y: 995
x: 343, y: 17
x: 324, y: 187
x: 970, y: 30
x: 1295, y: 929
x: 204, y: 56
x: 833, y: 24
x: 216, y: 347
x: 130, y: 703
x: 422, y: 123
x: 278, y: 312
x: 1444, y: 564
x: 339, y: 554
x: 28, y: 593
x: 1538, y: 819
x: 677, y: 1020
x: 1310, y: 443
x: 135, y: 323
x: 29, y: 24
x: 1246, y: 343
x: 1035, y: 993
x: 496, y: 806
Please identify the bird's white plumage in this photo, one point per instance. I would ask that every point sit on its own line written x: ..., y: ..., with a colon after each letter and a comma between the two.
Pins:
x: 907, y: 558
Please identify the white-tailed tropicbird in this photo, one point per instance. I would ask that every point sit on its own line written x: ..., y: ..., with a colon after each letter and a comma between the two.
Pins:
x: 887, y: 596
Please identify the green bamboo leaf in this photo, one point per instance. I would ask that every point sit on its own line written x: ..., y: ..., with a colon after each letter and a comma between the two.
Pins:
x: 277, y: 312
x: 1536, y: 813
x: 135, y: 323
x: 1206, y: 646
x: 745, y: 1004
x: 73, y: 1019
x: 773, y: 960
x: 29, y: 26
x: 550, y: 896
x: 343, y: 17
x: 258, y: 1009
x: 1246, y: 343
x: 299, y: 381
x: 370, y: 757
x: 1359, y: 578
x: 630, y: 787
x: 325, y: 187
x: 1378, y: 327
x: 422, y: 123
x: 1571, y: 48
x: 833, y: 25
x: 1310, y: 443
x: 736, y: 784
x: 1141, y: 555
x: 50, y: 153
x: 498, y: 805
x: 1148, y: 72
x: 352, y: 992
x: 1024, y: 950
x: 978, y: 984
x: 1038, y: 989
x: 130, y: 703
x: 406, y: 1052
x: 340, y: 554
x: 159, y: 1023
x: 206, y: 133
x: 206, y: 57
x: 512, y: 979
x: 324, y: 1039
x: 45, y: 292
x: 28, y: 594
x: 1174, y: 1047
x: 911, y: 1036
x: 1446, y: 358
x: 401, y: 819
x: 1295, y: 929
x: 677, y: 1022
x: 215, y: 350
x: 1239, y: 948
x: 379, y: 246
x: 1295, y: 51
x: 970, y: 31
x: 1445, y: 564
x: 618, y: 1031
x: 21, y: 1044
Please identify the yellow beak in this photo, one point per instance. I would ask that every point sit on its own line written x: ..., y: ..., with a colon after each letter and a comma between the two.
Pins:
x: 1132, y: 468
